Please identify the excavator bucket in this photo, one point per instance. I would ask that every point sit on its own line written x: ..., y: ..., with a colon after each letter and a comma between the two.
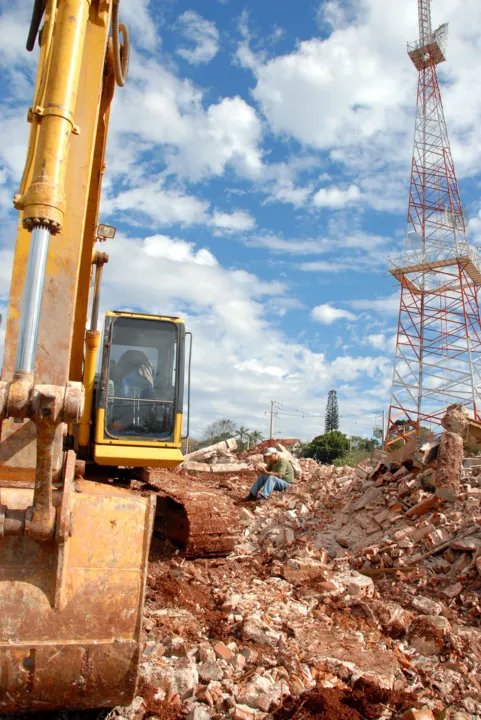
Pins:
x: 71, y: 608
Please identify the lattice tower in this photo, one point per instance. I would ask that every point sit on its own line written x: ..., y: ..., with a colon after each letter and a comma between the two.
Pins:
x: 438, y: 348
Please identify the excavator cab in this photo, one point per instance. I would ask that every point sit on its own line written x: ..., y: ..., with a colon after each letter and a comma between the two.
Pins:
x: 140, y: 391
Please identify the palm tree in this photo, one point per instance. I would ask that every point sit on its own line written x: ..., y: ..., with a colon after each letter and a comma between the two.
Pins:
x: 241, y: 433
x: 255, y: 437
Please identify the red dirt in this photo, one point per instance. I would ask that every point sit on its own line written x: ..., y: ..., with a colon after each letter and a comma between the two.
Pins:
x: 334, y: 704
x: 160, y: 710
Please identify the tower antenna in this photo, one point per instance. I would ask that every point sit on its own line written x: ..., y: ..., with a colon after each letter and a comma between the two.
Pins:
x: 438, y: 347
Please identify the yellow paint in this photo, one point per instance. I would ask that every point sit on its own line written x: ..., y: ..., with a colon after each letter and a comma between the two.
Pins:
x: 92, y: 341
x: 167, y: 318
x: 178, y: 429
x: 167, y: 457
x: 101, y: 440
x: 45, y: 197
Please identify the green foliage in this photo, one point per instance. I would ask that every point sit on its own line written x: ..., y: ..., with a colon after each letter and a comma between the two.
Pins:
x: 332, y: 413
x: 365, y: 444
x: 326, y: 448
x: 252, y: 438
x: 352, y: 458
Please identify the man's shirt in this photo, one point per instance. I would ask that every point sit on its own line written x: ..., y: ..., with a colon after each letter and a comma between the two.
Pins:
x: 283, y: 469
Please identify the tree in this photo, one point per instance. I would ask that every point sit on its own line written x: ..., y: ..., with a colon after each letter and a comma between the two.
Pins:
x: 217, y: 431
x: 332, y: 412
x: 255, y: 437
x: 242, y: 434
x: 364, y: 444
x: 328, y: 447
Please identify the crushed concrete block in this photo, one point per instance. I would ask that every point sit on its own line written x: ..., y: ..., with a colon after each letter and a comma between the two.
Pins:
x: 231, y: 603
x: 243, y: 712
x: 229, y: 467
x: 179, y: 678
x: 467, y: 544
x: 428, y: 633
x: 303, y: 569
x: 246, y: 514
x: 426, y: 606
x: 210, y: 670
x: 423, y: 714
x: 199, y: 712
x: 258, y: 693
x: 238, y: 662
x: 289, y: 536
x: 353, y: 583
x: 394, y: 618
x: 253, y: 629
x: 452, y: 591
x: 450, y: 461
x: 366, y: 498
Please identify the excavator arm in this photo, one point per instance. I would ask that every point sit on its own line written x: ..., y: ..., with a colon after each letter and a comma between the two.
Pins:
x: 73, y: 553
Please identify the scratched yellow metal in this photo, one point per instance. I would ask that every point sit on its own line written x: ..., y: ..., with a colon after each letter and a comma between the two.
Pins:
x: 58, y: 304
x: 100, y: 439
x: 123, y: 454
x: 84, y: 652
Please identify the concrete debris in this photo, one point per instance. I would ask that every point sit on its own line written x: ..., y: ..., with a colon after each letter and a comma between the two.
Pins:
x: 218, y: 458
x: 450, y: 461
x: 360, y: 582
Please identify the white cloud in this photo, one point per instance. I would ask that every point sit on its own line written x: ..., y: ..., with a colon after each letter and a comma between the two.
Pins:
x: 334, y: 197
x: 292, y: 246
x: 202, y: 33
x: 321, y: 266
x: 256, y: 366
x: 177, y: 250
x: 380, y: 341
x: 166, y: 116
x: 327, y: 314
x: 237, y: 221
x: 384, y: 305
x: 135, y: 14
x: 351, y: 96
x: 162, y: 207
x: 165, y: 207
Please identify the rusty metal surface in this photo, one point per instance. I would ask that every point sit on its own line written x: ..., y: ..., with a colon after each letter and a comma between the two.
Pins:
x: 71, y: 609
x: 203, y: 521
x: 48, y: 406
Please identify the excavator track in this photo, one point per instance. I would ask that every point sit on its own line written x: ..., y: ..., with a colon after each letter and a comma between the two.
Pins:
x: 203, y: 521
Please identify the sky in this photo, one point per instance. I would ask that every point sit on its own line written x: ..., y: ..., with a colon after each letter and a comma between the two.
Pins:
x: 258, y: 176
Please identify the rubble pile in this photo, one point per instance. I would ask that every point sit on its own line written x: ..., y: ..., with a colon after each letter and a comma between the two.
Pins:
x: 218, y: 458
x: 355, y: 594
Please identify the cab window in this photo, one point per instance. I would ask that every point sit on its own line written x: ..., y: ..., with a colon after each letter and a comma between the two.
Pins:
x: 141, y: 379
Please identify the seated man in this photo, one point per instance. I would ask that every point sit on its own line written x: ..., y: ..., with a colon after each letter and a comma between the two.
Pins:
x: 277, y: 475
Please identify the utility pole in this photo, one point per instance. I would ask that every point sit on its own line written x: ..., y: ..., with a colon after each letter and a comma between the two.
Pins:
x: 383, y: 428
x: 274, y: 408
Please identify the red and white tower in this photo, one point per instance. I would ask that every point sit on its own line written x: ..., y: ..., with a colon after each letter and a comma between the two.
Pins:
x: 438, y: 349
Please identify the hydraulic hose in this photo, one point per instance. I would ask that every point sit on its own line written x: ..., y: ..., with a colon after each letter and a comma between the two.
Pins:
x: 121, y: 52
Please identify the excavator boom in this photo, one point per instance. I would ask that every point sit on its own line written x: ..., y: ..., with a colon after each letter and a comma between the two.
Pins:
x: 73, y: 553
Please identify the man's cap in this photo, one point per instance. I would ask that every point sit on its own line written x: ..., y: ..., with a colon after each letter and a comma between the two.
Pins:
x: 270, y: 451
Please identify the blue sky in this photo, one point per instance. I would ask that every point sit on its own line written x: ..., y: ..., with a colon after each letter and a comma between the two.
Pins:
x: 258, y: 175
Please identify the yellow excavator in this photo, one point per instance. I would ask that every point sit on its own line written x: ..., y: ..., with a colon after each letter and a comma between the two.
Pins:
x: 74, y: 547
